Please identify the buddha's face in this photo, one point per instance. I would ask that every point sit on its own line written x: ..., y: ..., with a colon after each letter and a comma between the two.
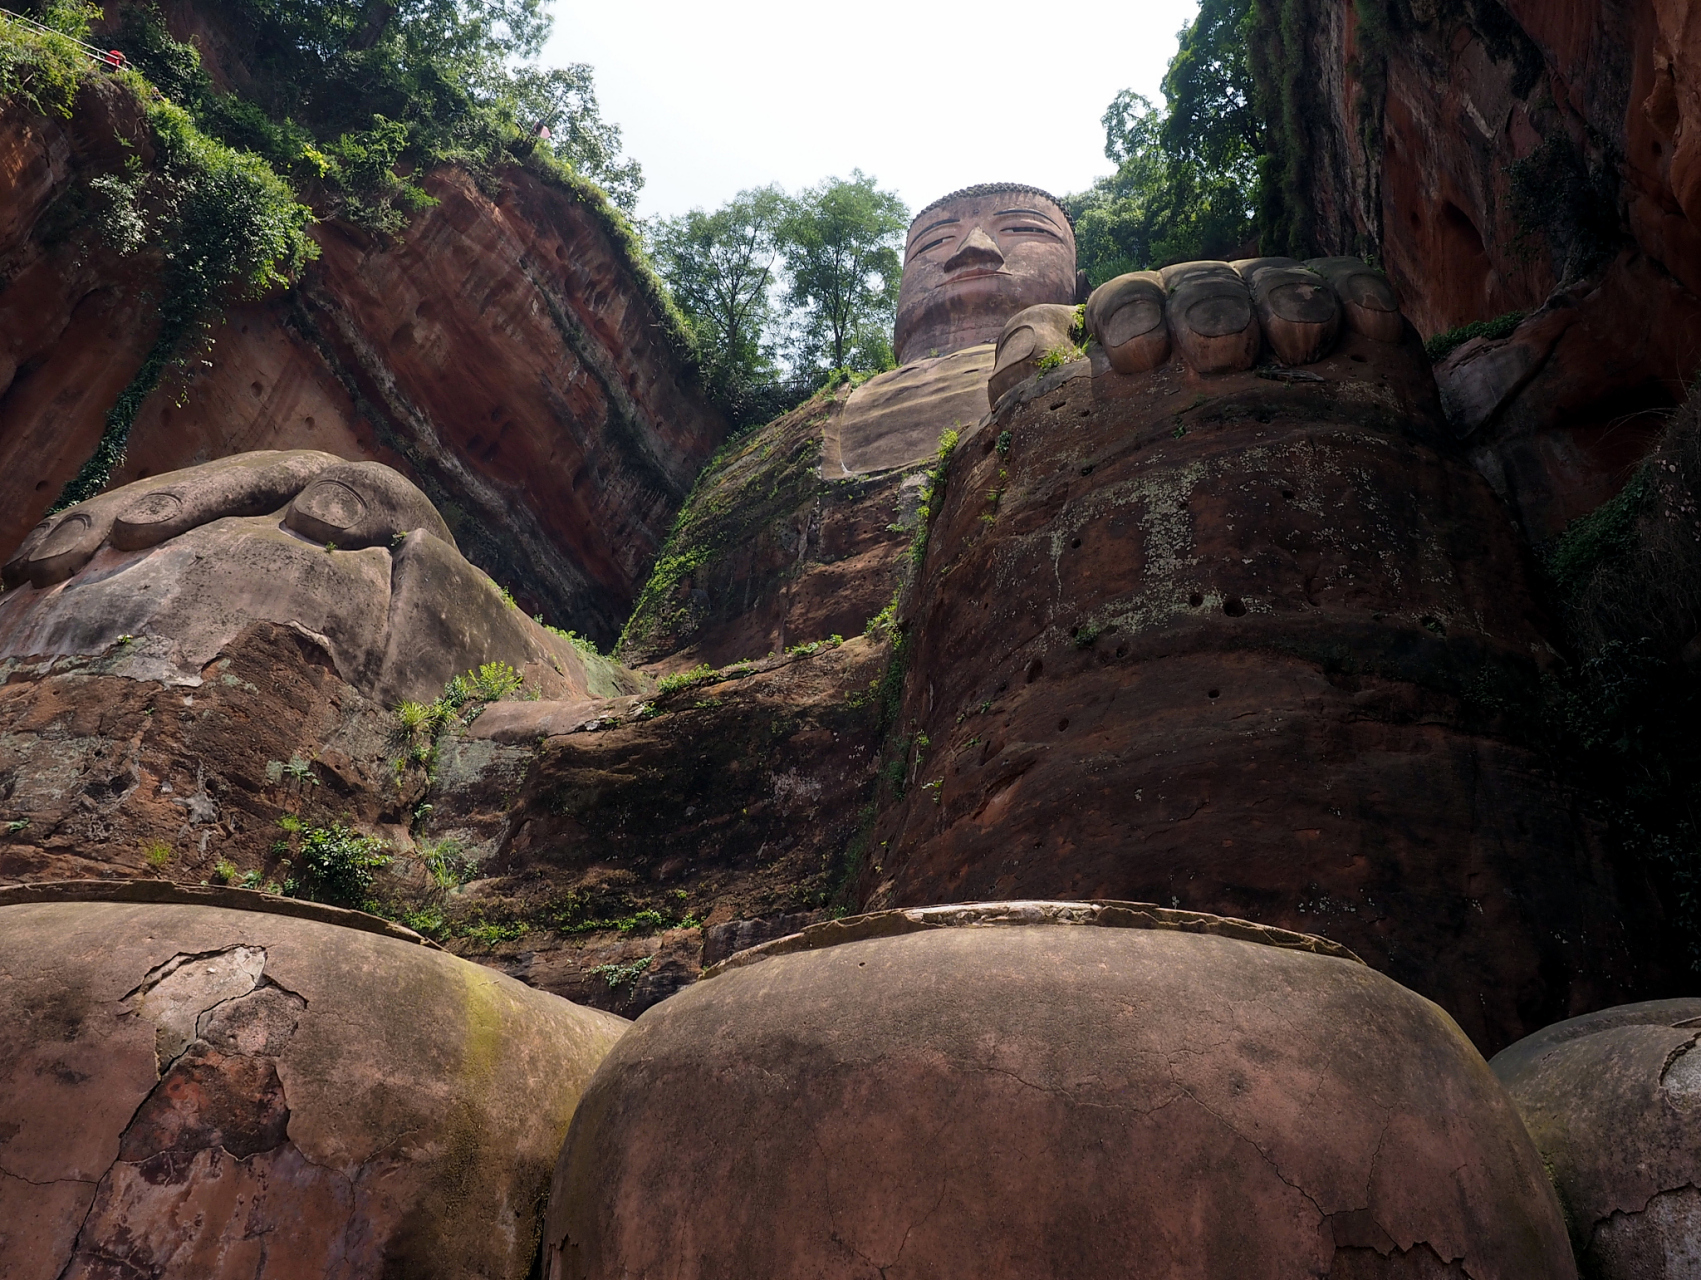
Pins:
x: 972, y: 263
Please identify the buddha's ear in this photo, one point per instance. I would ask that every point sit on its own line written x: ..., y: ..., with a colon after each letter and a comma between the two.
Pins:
x: 1083, y: 290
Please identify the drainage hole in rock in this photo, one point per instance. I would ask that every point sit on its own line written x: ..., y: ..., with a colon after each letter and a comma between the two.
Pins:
x: 1076, y: 542
x: 1213, y: 693
x: 1195, y: 599
x: 1063, y: 724
x: 1234, y: 608
x: 1035, y: 668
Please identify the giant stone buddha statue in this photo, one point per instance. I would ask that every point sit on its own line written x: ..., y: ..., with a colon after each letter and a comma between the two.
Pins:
x: 972, y: 260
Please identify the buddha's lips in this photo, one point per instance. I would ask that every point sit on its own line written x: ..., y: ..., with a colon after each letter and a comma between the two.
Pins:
x: 979, y: 273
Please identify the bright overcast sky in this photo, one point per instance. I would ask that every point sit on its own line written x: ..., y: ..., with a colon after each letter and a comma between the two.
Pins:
x: 719, y: 95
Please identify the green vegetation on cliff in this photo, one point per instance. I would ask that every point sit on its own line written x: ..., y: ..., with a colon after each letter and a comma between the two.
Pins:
x: 1186, y: 184
x: 338, y: 94
x: 333, y: 109
x: 749, y: 483
x: 223, y: 221
x: 42, y: 66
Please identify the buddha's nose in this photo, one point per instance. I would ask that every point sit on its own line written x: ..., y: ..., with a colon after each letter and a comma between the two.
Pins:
x: 977, y: 250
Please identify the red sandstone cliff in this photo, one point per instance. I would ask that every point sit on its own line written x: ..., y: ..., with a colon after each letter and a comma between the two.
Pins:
x: 503, y: 354
x: 1536, y: 157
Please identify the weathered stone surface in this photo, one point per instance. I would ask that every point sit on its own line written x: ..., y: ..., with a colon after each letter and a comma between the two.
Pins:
x: 1038, y: 1098
x: 245, y: 484
x: 1298, y: 312
x: 1613, y: 1103
x: 225, y: 897
x: 1297, y: 308
x: 779, y: 547
x: 1525, y: 157
x: 1028, y: 337
x: 894, y: 419
x: 722, y: 941
x: 363, y: 504
x: 399, y: 612
x: 734, y: 800
x: 503, y: 354
x: 1211, y: 318
x: 1126, y: 315
x: 1257, y: 648
x: 1578, y: 393
x: 1369, y: 304
x: 976, y: 257
x: 181, y: 1094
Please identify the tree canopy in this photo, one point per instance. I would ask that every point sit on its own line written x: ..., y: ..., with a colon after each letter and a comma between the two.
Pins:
x: 721, y: 267
x: 1187, y: 173
x: 337, y: 92
x: 841, y: 243
x: 809, y: 280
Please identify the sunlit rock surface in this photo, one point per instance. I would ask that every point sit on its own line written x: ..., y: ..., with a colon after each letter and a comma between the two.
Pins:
x: 190, y: 1089
x: 1049, y: 1089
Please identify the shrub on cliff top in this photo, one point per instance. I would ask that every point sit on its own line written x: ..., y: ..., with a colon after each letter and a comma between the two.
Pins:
x: 42, y: 69
x: 339, y: 92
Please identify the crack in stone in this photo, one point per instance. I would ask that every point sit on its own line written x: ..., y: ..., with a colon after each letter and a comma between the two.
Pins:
x: 1598, y: 1223
x: 1262, y: 1154
x: 51, y: 1182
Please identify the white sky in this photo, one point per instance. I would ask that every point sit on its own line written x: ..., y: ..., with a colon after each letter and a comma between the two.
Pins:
x: 716, y: 95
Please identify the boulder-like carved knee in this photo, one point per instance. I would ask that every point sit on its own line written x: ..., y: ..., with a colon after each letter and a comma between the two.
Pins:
x: 1027, y: 338
x: 1368, y: 302
x: 1211, y: 318
x: 1126, y: 316
x: 363, y: 504
x: 1297, y: 308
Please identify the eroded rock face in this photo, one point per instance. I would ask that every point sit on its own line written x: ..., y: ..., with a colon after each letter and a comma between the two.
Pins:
x: 1613, y: 1103
x: 503, y: 354
x: 189, y: 1089
x: 733, y: 801
x: 1049, y: 1089
x: 1254, y: 643
x: 800, y: 530
x: 1533, y: 157
x: 169, y: 571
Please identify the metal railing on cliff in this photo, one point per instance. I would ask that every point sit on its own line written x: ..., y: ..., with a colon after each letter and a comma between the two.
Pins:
x: 110, y: 58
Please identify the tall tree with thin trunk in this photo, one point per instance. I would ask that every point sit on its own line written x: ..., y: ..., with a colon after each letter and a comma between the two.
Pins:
x: 841, y: 242
x: 721, y: 269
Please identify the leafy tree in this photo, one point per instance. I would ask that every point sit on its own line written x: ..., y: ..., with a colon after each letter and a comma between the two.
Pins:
x: 564, y: 100
x: 841, y: 242
x: 721, y: 267
x: 1186, y: 183
x: 332, y: 85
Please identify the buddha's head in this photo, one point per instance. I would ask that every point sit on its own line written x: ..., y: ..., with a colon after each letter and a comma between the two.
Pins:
x: 974, y: 259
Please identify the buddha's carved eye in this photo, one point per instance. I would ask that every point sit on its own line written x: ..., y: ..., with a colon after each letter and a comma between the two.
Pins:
x: 931, y: 244
x: 1030, y: 231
